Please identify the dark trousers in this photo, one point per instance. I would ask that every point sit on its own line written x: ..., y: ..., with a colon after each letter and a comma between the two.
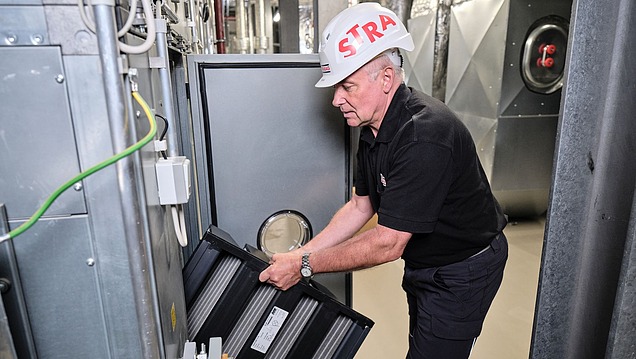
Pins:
x: 448, y: 305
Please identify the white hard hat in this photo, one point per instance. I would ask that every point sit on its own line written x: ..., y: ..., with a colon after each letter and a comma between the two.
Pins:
x: 355, y: 36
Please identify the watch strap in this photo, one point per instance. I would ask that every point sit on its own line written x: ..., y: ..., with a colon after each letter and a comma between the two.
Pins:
x: 305, y: 265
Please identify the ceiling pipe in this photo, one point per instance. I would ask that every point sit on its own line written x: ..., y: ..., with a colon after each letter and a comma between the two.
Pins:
x: 219, y: 27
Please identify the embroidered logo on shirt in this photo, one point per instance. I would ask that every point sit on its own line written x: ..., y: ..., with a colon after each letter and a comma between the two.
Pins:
x: 382, y: 180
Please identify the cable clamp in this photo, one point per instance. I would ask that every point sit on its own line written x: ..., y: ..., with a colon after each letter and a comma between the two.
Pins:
x: 161, y: 145
x: 132, y: 77
x: 122, y: 64
x: 103, y: 2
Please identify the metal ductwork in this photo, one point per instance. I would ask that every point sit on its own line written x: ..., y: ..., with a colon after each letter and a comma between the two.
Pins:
x: 401, y: 8
x: 513, y: 124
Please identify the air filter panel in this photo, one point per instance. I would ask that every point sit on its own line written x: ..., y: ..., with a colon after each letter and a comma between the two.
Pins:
x: 225, y: 299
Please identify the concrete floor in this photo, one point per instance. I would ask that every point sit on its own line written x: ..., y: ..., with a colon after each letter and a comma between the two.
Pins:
x: 508, y: 327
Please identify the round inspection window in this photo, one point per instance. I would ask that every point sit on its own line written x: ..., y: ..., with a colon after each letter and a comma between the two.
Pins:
x: 283, y: 231
x: 543, y: 59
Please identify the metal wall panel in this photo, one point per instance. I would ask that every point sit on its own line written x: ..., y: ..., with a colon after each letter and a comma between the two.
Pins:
x: 23, y: 25
x: 20, y: 335
x: 7, y: 349
x: 589, y: 229
x: 77, y: 265
x: 61, y: 293
x: 622, y: 336
x: 35, y: 104
x: 66, y: 29
x: 94, y: 145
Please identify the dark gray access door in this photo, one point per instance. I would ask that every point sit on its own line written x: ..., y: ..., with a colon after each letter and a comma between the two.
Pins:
x: 273, y: 142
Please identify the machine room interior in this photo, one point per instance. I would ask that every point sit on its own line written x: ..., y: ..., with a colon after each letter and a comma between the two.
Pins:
x: 140, y: 137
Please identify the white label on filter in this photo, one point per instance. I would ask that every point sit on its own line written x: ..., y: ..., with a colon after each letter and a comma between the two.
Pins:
x: 269, y: 330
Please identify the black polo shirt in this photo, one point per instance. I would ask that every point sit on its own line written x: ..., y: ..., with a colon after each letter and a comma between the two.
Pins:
x: 423, y: 176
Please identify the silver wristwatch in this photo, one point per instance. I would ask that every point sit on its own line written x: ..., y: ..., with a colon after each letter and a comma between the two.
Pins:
x: 305, y: 269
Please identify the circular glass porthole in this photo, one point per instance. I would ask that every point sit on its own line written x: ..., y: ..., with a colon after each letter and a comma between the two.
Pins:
x: 543, y: 58
x: 283, y: 231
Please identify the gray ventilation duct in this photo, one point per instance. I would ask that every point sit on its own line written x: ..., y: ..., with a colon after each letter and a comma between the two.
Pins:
x: 402, y: 8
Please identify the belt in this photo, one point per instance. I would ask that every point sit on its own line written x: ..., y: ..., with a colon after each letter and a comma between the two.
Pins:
x: 480, y: 252
x: 488, y: 246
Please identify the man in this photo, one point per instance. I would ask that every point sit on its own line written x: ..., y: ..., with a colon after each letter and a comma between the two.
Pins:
x: 419, y: 172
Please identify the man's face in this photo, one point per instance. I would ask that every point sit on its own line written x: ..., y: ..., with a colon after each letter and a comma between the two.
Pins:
x: 360, y: 99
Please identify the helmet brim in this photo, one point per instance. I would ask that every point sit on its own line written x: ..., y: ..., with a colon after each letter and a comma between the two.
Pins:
x: 327, y: 81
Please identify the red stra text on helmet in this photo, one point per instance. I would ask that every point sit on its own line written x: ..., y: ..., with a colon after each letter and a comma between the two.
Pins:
x: 373, y: 30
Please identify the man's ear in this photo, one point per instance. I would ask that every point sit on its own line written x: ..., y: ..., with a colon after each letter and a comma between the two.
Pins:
x: 388, y: 76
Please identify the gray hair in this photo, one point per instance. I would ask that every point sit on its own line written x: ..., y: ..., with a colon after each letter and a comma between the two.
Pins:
x: 385, y: 59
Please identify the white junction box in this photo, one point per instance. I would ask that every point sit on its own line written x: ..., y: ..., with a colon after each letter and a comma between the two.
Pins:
x: 173, y: 180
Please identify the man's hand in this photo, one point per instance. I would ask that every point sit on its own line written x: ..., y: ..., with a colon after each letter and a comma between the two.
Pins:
x: 284, y: 270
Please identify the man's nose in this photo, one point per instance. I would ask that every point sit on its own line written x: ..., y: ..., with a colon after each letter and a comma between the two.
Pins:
x: 338, y: 99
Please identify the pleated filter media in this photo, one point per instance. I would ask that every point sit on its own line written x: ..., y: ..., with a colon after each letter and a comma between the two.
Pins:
x: 225, y: 299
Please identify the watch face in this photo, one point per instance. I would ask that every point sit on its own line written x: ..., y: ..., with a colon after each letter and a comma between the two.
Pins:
x: 305, y: 272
